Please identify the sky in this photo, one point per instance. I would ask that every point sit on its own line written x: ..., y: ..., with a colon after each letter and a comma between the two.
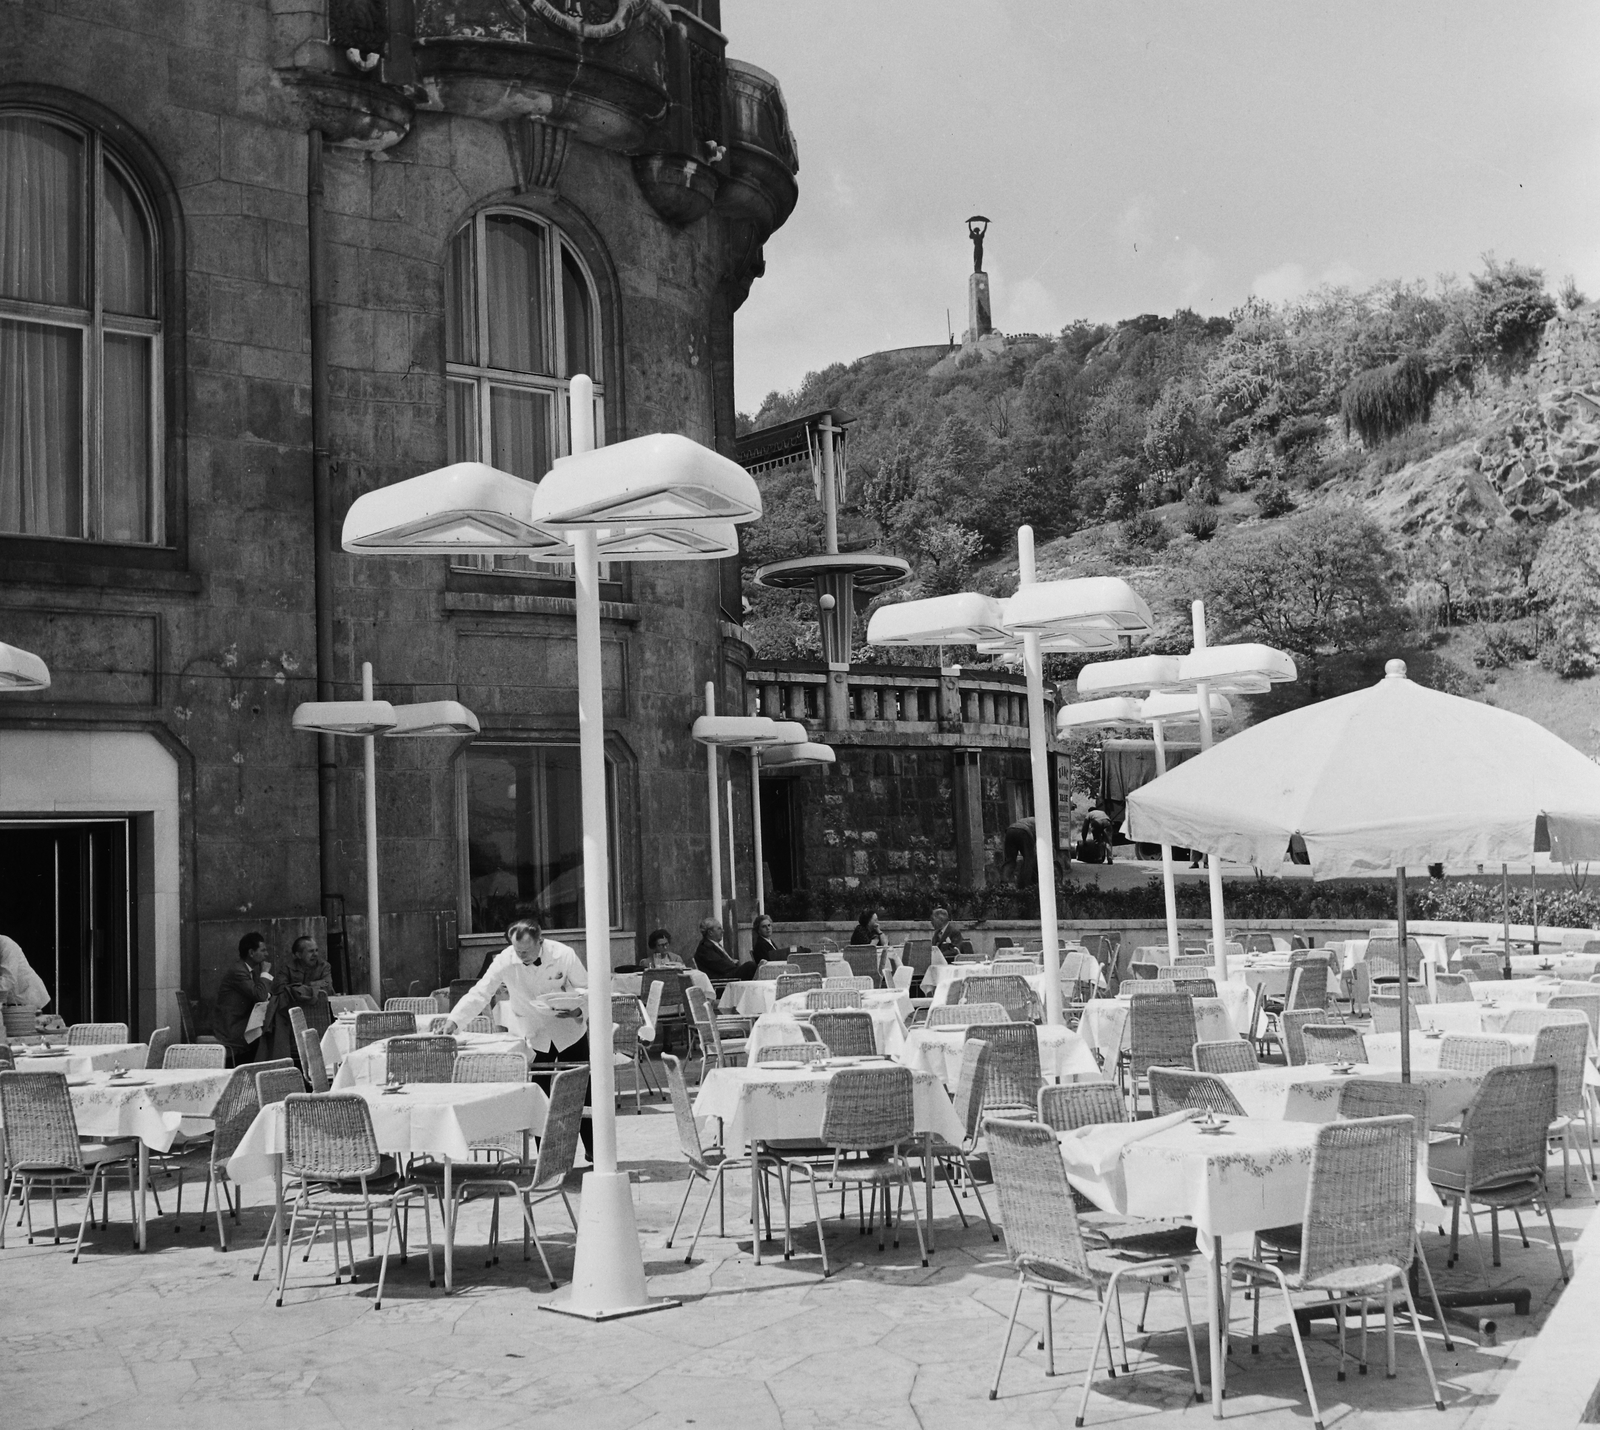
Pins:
x: 1138, y: 158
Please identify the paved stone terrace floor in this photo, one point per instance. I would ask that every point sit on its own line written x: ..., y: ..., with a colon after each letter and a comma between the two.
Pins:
x: 183, y: 1337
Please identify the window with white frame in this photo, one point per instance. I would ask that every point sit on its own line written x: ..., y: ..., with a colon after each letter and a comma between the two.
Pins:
x: 80, y: 338
x: 521, y: 319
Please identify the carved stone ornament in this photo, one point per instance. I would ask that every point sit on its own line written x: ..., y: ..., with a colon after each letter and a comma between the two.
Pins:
x: 588, y: 19
x: 538, y: 151
x: 679, y: 189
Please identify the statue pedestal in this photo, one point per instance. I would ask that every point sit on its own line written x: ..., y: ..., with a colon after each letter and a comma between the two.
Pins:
x: 979, y: 323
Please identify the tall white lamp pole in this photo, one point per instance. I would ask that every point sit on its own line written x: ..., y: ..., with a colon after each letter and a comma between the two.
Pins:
x: 1043, y: 815
x: 712, y: 803
x: 1219, y: 932
x: 369, y: 767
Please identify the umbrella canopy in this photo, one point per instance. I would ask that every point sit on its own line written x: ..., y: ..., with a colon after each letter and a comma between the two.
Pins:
x: 22, y: 670
x: 794, y: 757
x: 1392, y: 776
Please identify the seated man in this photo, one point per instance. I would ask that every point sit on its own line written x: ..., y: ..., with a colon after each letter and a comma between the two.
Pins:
x: 946, y: 936
x: 243, y: 986
x: 713, y: 960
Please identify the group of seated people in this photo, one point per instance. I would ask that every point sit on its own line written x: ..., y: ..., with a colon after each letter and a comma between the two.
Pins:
x: 712, y: 958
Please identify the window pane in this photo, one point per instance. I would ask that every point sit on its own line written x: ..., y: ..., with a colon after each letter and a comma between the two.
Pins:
x: 525, y: 835
x: 516, y: 296
x: 125, y: 443
x: 461, y: 421
x: 125, y: 255
x: 41, y: 429
x: 520, y: 429
x: 460, y: 308
x: 578, y: 318
x: 41, y: 212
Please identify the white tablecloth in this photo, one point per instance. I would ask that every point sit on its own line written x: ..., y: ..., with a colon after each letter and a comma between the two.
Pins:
x: 80, y: 1062
x: 369, y: 1065
x: 1064, y: 1056
x: 1519, y: 992
x: 950, y: 973
x: 1486, y: 1018
x: 780, y: 1027
x: 146, y: 1105
x: 440, y: 1119
x: 633, y: 982
x: 1435, y: 950
x: 339, y: 1041
x: 1105, y: 1020
x: 1311, y: 1093
x: 896, y: 1001
x: 769, y: 1104
x: 1580, y: 967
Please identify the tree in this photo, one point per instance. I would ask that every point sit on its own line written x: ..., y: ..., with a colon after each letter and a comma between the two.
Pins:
x: 1318, y: 584
x: 1566, y: 574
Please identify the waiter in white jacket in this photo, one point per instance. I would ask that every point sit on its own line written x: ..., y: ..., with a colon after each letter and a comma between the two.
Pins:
x: 531, y: 968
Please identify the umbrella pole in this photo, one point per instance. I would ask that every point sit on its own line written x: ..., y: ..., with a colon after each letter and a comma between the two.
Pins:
x: 1219, y: 932
x: 711, y: 800
x: 1405, y: 975
x: 1167, y: 888
x: 1533, y: 880
x: 1505, y: 913
x: 755, y: 829
x: 1043, y: 825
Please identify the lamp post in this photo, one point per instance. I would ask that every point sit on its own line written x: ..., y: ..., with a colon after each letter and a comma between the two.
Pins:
x: 1206, y: 671
x: 1121, y: 712
x: 370, y: 718
x: 753, y: 733
x: 1091, y: 613
x: 660, y: 497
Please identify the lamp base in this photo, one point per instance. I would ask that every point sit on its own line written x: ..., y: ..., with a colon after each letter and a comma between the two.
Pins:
x: 608, y: 1272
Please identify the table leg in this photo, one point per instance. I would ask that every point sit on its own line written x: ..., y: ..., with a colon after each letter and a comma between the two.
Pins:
x: 144, y: 1182
x: 927, y: 1183
x: 1218, y: 1297
x: 449, y: 1230
x: 755, y: 1199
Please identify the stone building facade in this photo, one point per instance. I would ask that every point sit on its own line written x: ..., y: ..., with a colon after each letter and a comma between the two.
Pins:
x: 276, y: 253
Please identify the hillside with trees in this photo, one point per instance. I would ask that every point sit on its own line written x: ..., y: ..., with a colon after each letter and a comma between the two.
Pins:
x: 1413, y: 469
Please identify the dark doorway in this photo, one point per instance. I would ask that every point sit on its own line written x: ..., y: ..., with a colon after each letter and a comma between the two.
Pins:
x: 67, y: 898
x: 780, y: 833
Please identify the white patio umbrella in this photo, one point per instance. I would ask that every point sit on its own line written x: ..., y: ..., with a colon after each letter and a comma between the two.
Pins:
x: 1390, y: 777
x: 752, y: 733
x: 1155, y: 712
x: 369, y: 718
x: 1243, y: 669
x: 656, y: 498
x: 22, y: 669
x: 1092, y: 613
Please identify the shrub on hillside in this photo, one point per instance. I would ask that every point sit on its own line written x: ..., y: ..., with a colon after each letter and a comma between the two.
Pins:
x: 1502, y: 644
x: 1145, y: 529
x: 1273, y: 499
x: 1382, y: 402
x: 1199, y: 520
x: 1566, y: 576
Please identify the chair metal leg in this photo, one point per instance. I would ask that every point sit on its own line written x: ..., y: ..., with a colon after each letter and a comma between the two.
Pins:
x: 1122, y: 1329
x: 1188, y: 1330
x: 1005, y: 1346
x: 1433, y: 1295
x: 682, y: 1207
x: 88, y: 1202
x: 1422, y: 1345
x: 711, y: 1188
x: 1100, y: 1334
x: 1300, y: 1351
x: 222, y: 1228
x: 1049, y: 1337
x: 1555, y: 1236
x: 822, y: 1240
x: 1388, y: 1331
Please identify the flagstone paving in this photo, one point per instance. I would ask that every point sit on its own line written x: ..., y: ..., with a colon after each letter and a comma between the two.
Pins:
x: 182, y: 1336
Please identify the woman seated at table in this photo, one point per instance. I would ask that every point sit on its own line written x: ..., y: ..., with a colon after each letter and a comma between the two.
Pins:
x: 659, y: 952
x: 866, y: 933
x: 762, y: 948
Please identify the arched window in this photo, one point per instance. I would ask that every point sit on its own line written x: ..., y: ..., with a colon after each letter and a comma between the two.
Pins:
x: 80, y: 338
x: 520, y: 320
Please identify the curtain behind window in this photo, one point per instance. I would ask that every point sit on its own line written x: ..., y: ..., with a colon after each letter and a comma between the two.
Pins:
x: 41, y: 213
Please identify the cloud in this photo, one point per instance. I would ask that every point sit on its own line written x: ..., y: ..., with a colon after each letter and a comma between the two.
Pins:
x: 1291, y: 280
x: 1134, y: 230
x: 1191, y: 270
x: 1027, y: 307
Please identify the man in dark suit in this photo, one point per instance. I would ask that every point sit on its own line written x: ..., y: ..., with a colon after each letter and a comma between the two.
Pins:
x: 243, y: 986
x: 712, y: 959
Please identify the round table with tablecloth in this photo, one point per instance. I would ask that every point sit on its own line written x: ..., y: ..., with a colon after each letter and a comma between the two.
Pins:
x: 1104, y: 1024
x: 1064, y: 1055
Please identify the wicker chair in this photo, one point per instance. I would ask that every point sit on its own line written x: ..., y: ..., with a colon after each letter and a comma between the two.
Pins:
x: 1232, y: 1055
x: 864, y: 963
x: 959, y: 1015
x: 311, y: 1060
x: 331, y: 1148
x: 708, y: 1031
x: 489, y: 1067
x: 792, y: 983
x: 1485, y: 965
x: 846, y: 1034
x: 793, y: 1053
x: 869, y: 1113
x: 1358, y: 1237
x: 156, y: 1048
x: 1024, y: 967
x: 708, y: 1165
x: 195, y: 1055
x: 375, y: 1027
x: 1452, y: 988
x: 1194, y: 987
x: 531, y: 1184
x: 1258, y: 943
x: 235, y: 1110
x: 834, y: 998
x: 812, y: 964
x: 1192, y: 960
x: 1188, y: 973
x: 85, y: 1035
x: 1528, y: 1021
x: 1160, y: 1034
x: 1383, y: 959
x: 1386, y: 1014
x: 1474, y: 1053
x: 1588, y: 1003
x: 672, y: 1009
x: 1133, y: 987
x: 410, y: 1005
x: 1291, y: 1024
x: 917, y: 955
x: 1047, y: 1247
x: 1332, y: 1043
x: 953, y: 1159
x: 627, y: 1018
x: 1500, y: 1161
x: 43, y: 1149
x: 1173, y: 1089
x: 420, y: 1059
x: 1007, y: 989
x: 1566, y: 1047
x: 770, y: 970
x: 1007, y: 1081
x: 1071, y: 1105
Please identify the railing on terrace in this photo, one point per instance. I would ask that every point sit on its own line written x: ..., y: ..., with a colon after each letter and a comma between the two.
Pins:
x: 912, y: 700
